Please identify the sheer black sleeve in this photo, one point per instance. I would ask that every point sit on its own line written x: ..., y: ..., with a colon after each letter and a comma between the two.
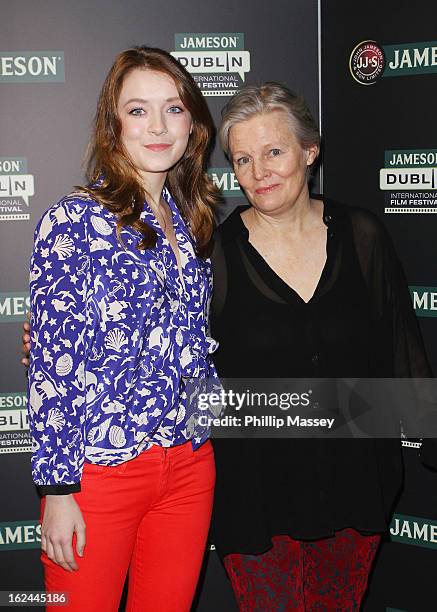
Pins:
x: 391, y: 299
x: 386, y: 281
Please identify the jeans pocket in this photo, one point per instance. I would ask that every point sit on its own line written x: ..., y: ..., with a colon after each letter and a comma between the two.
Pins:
x: 204, y: 450
x: 203, y: 458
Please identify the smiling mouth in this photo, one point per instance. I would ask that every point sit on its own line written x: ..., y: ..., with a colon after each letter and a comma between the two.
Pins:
x: 157, y: 147
x: 268, y: 189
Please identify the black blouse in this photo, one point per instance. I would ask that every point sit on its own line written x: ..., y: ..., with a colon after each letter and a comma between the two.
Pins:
x: 359, y: 323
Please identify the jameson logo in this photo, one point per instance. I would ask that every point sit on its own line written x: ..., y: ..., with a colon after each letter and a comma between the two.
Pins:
x: 366, y: 62
x: 424, y: 301
x: 415, y: 159
x: 32, y: 67
x: 369, y: 61
x: 16, y: 187
x: 226, y: 181
x: 13, y: 306
x: 21, y: 534
x: 409, y: 180
x: 218, y: 62
x: 14, y: 424
x: 414, y: 530
x: 410, y: 58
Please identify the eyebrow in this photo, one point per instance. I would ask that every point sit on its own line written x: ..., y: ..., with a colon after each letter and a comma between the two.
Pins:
x: 266, y: 146
x: 144, y: 101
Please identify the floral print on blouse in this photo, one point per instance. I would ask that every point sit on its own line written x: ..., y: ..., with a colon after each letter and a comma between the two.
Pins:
x: 115, y: 335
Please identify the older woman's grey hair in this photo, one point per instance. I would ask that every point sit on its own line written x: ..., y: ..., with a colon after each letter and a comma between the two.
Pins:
x: 253, y: 100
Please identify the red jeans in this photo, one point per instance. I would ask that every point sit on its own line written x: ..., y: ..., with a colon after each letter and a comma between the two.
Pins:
x: 149, y: 515
x: 324, y: 575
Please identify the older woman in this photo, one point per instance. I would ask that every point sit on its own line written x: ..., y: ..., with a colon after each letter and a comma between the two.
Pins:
x: 305, y: 287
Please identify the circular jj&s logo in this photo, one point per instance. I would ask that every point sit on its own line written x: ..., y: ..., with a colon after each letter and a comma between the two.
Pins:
x: 367, y: 62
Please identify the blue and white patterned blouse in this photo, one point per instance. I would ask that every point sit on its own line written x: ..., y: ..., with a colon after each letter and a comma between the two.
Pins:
x: 114, y: 335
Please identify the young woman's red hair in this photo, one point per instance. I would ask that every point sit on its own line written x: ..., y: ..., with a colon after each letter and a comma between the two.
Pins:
x: 114, y: 180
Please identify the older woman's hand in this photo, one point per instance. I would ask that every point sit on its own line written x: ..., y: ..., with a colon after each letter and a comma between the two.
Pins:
x: 25, y: 348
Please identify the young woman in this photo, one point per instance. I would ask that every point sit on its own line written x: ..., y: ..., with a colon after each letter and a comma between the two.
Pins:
x: 120, y: 290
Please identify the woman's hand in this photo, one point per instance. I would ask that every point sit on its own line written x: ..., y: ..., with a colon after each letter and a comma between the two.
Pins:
x: 62, y: 518
x: 25, y: 349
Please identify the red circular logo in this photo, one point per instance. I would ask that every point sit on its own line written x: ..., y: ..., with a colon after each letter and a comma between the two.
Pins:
x: 366, y: 62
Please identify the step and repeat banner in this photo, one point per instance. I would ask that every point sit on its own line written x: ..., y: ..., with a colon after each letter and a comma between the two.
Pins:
x: 379, y: 84
x: 54, y: 56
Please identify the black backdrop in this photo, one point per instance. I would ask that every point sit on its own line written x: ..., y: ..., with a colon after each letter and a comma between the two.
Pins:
x: 359, y: 124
